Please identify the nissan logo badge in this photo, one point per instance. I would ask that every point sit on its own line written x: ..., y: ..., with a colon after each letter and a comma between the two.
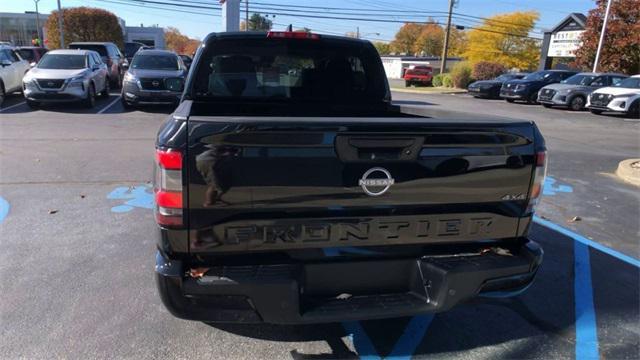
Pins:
x: 155, y: 83
x: 378, y: 185
x: 50, y: 84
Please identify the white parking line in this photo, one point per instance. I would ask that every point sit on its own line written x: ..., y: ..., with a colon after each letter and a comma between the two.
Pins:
x: 12, y: 106
x: 110, y: 105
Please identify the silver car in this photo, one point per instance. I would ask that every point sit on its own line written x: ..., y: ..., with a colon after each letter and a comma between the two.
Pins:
x: 66, y: 76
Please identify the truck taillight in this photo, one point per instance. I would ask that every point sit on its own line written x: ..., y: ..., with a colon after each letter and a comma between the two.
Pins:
x: 538, y: 180
x: 168, y: 187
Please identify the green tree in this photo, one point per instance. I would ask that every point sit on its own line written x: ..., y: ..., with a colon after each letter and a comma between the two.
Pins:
x: 505, y: 39
x: 84, y: 24
x: 621, y: 47
x: 383, y: 48
x: 257, y: 22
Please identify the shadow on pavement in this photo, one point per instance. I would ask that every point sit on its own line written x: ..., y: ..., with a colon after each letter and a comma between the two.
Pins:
x: 537, y: 324
x: 412, y: 102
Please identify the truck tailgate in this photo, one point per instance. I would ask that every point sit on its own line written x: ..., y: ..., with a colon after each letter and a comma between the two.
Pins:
x: 268, y: 183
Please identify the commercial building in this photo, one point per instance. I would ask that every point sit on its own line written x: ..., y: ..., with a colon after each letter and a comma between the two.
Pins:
x: 152, y: 36
x: 395, y: 66
x: 20, y: 28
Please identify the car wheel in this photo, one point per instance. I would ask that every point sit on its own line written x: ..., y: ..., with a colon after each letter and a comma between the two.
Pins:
x: 90, y: 101
x: 33, y: 104
x: 533, y: 98
x: 634, y: 110
x: 594, y: 111
x: 107, y: 88
x: 1, y: 94
x: 577, y: 103
x: 510, y: 100
x: 407, y: 83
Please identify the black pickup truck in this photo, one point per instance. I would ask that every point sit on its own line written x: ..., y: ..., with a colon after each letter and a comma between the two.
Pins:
x: 289, y: 189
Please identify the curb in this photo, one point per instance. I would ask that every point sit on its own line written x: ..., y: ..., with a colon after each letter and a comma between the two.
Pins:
x: 629, y: 173
x: 429, y: 92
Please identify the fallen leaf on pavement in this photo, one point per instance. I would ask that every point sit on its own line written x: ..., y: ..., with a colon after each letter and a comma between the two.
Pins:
x: 52, y: 211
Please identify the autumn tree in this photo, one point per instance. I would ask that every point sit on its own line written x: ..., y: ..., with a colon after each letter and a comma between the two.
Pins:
x: 621, y: 46
x: 84, y: 24
x: 257, y: 22
x: 178, y: 42
x: 430, y: 40
x: 505, y: 39
x: 457, y: 42
x: 383, y: 48
x: 405, y: 38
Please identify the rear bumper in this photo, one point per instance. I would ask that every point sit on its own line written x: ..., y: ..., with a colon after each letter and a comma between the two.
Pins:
x: 379, y: 288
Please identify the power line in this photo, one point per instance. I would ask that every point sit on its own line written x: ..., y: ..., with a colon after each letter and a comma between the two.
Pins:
x: 142, y: 3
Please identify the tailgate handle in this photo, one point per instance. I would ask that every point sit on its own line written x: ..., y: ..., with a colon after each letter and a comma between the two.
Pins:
x: 374, y: 149
x: 381, y: 143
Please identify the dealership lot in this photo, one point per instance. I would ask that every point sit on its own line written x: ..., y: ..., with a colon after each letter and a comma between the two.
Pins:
x: 78, y: 250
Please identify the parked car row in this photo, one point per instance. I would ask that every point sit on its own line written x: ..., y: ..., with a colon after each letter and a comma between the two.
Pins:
x: 598, y: 92
x: 88, y: 69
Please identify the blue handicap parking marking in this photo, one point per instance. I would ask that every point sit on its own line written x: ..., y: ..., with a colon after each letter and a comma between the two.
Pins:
x: 4, y: 208
x: 586, y: 328
x: 139, y: 196
x: 404, y: 347
x: 553, y: 187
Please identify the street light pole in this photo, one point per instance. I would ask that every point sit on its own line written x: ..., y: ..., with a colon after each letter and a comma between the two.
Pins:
x: 61, y: 25
x: 443, y: 62
x: 38, y: 21
x: 246, y: 16
x: 604, y: 29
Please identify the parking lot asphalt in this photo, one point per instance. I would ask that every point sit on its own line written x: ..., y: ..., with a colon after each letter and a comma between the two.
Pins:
x: 77, y: 237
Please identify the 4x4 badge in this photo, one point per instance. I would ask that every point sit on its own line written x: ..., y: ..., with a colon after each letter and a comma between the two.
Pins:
x: 378, y: 185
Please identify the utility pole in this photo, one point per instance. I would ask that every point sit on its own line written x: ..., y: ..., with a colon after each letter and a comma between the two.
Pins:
x: 443, y: 62
x: 604, y: 29
x: 246, y: 16
x: 38, y: 21
x: 61, y: 25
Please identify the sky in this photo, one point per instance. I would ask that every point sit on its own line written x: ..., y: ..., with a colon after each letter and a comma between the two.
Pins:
x: 197, y: 23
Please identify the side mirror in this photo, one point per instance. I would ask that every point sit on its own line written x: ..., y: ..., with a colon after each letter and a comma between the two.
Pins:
x: 6, y: 63
x: 95, y: 67
x: 125, y: 65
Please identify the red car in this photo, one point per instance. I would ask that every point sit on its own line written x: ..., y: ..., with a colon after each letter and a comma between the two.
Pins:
x: 418, y: 75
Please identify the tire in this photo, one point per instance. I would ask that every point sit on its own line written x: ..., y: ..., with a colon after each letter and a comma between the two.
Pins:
x: 548, y: 106
x: 594, y: 111
x: 510, y: 100
x: 107, y: 88
x: 577, y: 103
x: 407, y: 83
x: 634, y: 110
x: 90, y: 101
x: 33, y: 104
x: 2, y: 94
x: 533, y: 98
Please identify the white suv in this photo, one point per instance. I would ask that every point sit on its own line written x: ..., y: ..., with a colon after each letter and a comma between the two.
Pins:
x: 12, y: 69
x: 624, y: 97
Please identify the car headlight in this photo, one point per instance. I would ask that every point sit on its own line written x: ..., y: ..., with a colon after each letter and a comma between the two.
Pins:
x: 129, y: 77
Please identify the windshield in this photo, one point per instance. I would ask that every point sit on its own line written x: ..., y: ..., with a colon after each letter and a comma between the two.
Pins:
x: 59, y: 61
x: 506, y: 77
x: 131, y: 48
x: 155, y: 62
x: 100, y: 49
x: 579, y: 80
x: 537, y: 76
x: 630, y: 83
x: 288, y: 69
x: 27, y: 54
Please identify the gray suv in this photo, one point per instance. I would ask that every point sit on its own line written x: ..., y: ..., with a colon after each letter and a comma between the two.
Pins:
x: 64, y: 76
x: 116, y: 62
x: 155, y: 77
x: 574, y: 91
